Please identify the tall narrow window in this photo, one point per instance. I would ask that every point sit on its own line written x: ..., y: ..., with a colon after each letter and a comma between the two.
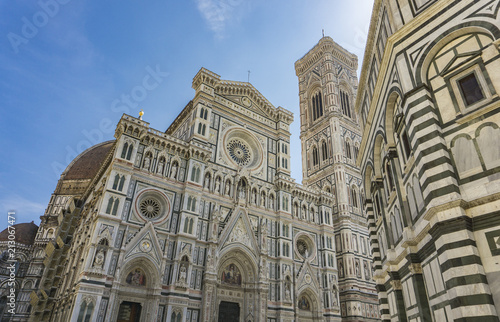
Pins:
x: 348, y: 150
x: 316, y: 106
x: 124, y: 150
x: 406, y: 143
x: 129, y: 153
x: 115, y: 183
x: 324, y: 150
x: 115, y: 207
x: 110, y: 205
x: 390, y: 178
x: 315, y: 156
x: 122, y: 182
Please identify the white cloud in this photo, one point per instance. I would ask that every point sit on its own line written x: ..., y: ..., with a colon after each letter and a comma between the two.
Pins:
x: 25, y: 209
x: 218, y: 13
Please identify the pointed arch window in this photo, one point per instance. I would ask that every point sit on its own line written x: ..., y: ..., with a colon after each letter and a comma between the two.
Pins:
x: 348, y: 150
x: 315, y: 156
x: 195, y: 174
x: 112, y: 207
x: 127, y: 151
x: 316, y: 106
x: 324, y: 150
x: 344, y: 102
x: 115, y: 183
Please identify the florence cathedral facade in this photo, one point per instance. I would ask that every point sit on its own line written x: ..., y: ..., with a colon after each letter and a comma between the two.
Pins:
x: 202, y: 222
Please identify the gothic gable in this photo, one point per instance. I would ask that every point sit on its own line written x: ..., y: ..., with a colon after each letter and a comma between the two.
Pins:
x: 145, y: 243
x: 239, y: 231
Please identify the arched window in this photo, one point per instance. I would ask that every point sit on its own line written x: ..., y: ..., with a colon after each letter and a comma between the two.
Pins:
x: 390, y: 178
x: 195, y: 174
x: 191, y: 221
x: 199, y: 128
x: 124, y: 150
x: 191, y: 205
x: 324, y: 150
x: 355, y: 198
x: 202, y: 111
x: 348, y: 150
x: 110, y: 205
x: 115, y: 183
x: 316, y: 106
x: 122, y: 182
x: 86, y: 310
x: 344, y: 102
x: 204, y: 129
x: 115, y: 207
x: 315, y: 156
x: 186, y: 224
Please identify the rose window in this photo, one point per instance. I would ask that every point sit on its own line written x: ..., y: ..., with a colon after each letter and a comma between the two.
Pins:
x: 239, y: 152
x: 302, y: 247
x: 150, y: 208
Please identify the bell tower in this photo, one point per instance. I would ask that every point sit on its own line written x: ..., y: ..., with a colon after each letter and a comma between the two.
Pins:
x: 330, y: 138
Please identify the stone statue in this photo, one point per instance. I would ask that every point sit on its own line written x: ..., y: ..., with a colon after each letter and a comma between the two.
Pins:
x: 99, y: 259
x: 182, y: 274
x: 173, y: 173
x: 217, y: 185
x: 207, y: 182
x: 147, y: 162
x: 227, y: 188
x: 160, y: 168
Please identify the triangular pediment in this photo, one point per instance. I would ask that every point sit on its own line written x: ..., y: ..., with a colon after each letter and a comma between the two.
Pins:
x: 239, y: 231
x: 247, y: 97
x: 145, y: 243
x: 307, y: 278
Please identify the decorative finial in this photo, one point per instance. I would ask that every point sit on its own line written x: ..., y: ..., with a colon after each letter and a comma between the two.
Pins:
x: 141, y: 113
x: 249, y: 76
x: 323, y: 30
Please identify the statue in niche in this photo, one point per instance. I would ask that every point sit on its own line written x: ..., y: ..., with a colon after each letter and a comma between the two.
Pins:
x: 217, y: 185
x: 263, y: 230
x: 99, y: 259
x: 334, y: 297
x: 182, y: 274
x: 173, y: 173
x: 228, y: 187
x: 288, y: 292
x: 241, y: 193
x: 160, y: 167
x: 357, y: 270
x: 147, y: 162
x: 207, y: 182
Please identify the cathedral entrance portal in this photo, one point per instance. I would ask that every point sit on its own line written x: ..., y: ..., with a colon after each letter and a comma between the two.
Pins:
x: 229, y: 312
x: 129, y: 312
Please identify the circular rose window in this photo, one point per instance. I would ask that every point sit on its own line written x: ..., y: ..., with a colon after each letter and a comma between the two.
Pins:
x: 239, y: 151
x: 150, y: 208
x: 305, y: 246
x: 242, y: 148
x: 152, y: 205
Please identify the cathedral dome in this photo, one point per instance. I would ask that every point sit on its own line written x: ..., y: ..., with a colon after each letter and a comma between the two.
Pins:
x: 24, y: 233
x: 86, y: 165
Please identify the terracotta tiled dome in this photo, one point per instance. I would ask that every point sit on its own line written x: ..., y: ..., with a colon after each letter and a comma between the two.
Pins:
x: 86, y: 165
x: 25, y: 233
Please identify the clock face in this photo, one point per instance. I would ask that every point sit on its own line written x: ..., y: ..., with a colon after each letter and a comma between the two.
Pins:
x: 145, y: 246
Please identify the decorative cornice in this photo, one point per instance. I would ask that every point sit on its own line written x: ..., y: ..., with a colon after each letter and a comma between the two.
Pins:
x: 325, y: 45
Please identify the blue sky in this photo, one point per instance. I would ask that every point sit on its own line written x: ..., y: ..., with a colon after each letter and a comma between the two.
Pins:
x: 67, y: 67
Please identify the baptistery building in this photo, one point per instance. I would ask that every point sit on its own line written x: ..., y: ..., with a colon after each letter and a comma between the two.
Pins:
x: 430, y: 158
